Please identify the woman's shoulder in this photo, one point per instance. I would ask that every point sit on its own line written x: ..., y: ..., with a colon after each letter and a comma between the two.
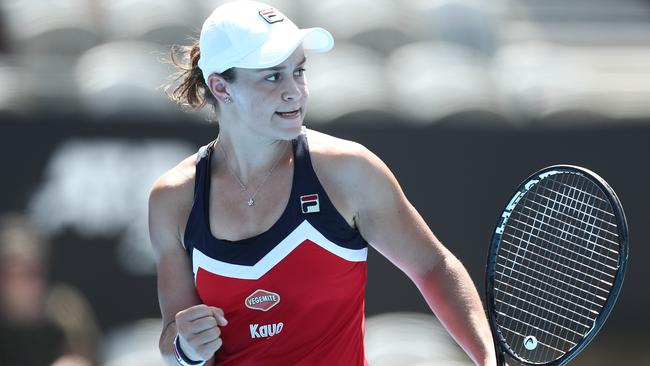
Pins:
x: 170, y: 201
x: 337, y: 154
x: 324, y: 146
x: 177, y: 184
x: 349, y: 172
x: 347, y: 163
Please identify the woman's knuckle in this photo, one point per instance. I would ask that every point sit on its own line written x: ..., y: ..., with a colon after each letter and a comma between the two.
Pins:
x: 215, y: 332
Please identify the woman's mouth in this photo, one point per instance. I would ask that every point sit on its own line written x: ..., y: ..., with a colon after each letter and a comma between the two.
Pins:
x: 291, y: 114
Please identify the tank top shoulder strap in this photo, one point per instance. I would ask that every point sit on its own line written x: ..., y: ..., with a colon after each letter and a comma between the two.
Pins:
x: 201, y: 187
x: 304, y: 170
x: 315, y: 204
x: 202, y: 158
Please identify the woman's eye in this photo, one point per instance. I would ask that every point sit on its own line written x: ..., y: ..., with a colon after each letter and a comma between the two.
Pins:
x: 299, y: 72
x: 273, y: 77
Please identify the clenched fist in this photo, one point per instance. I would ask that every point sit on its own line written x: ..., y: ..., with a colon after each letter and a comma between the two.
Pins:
x: 198, y: 331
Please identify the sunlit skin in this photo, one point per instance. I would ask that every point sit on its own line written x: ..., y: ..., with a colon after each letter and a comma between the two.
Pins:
x: 252, y: 118
x: 258, y: 94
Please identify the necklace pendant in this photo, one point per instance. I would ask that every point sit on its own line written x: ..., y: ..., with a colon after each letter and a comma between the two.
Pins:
x: 250, y: 202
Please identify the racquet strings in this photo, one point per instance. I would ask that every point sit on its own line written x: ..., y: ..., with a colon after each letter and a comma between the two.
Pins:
x: 555, y: 266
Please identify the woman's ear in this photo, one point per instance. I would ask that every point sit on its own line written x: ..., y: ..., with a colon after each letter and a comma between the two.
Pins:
x: 217, y: 86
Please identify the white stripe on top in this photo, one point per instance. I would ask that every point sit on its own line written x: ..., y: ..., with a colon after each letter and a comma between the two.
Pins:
x: 304, y: 231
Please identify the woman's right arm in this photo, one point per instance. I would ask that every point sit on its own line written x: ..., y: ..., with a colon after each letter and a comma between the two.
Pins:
x: 182, y: 311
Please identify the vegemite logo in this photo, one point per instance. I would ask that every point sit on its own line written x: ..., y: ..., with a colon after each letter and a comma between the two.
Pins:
x: 271, y: 15
x: 262, y: 300
x: 309, y: 203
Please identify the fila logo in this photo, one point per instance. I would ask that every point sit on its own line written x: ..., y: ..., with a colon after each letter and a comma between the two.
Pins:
x: 271, y: 16
x: 265, y: 331
x: 262, y: 300
x: 309, y: 203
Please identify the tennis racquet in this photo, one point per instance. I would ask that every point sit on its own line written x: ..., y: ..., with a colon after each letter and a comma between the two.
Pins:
x: 555, y: 266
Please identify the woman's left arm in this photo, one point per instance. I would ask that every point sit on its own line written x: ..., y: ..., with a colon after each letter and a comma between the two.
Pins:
x: 388, y: 221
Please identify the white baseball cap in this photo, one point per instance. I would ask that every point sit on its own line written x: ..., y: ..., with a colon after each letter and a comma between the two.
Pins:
x: 253, y: 35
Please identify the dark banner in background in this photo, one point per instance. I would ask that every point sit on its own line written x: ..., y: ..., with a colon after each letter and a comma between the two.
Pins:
x: 86, y: 184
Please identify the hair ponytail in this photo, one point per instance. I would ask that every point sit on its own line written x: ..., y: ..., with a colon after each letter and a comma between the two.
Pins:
x: 187, y: 87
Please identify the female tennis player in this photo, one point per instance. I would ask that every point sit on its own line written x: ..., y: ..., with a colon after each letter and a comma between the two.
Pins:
x: 261, y: 236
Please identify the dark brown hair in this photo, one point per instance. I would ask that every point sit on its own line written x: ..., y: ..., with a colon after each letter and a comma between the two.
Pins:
x: 187, y: 87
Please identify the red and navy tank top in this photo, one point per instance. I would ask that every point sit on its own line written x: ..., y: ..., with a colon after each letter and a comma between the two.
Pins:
x: 293, y: 295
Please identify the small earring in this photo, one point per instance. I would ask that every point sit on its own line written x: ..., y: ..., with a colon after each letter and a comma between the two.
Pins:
x: 227, y: 100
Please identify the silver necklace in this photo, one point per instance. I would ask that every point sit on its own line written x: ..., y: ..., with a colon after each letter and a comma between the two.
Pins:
x: 244, y: 188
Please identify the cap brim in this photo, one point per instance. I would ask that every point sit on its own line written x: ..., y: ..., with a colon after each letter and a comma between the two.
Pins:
x: 276, y: 51
x: 317, y: 40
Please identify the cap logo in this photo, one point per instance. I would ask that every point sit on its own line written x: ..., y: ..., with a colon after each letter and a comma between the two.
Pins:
x: 309, y: 203
x: 262, y: 300
x: 271, y: 16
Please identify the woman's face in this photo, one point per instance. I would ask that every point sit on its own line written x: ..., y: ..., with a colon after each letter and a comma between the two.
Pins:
x: 271, y: 101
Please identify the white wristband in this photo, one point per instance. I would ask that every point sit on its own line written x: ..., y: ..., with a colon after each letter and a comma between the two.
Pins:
x: 181, y: 357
